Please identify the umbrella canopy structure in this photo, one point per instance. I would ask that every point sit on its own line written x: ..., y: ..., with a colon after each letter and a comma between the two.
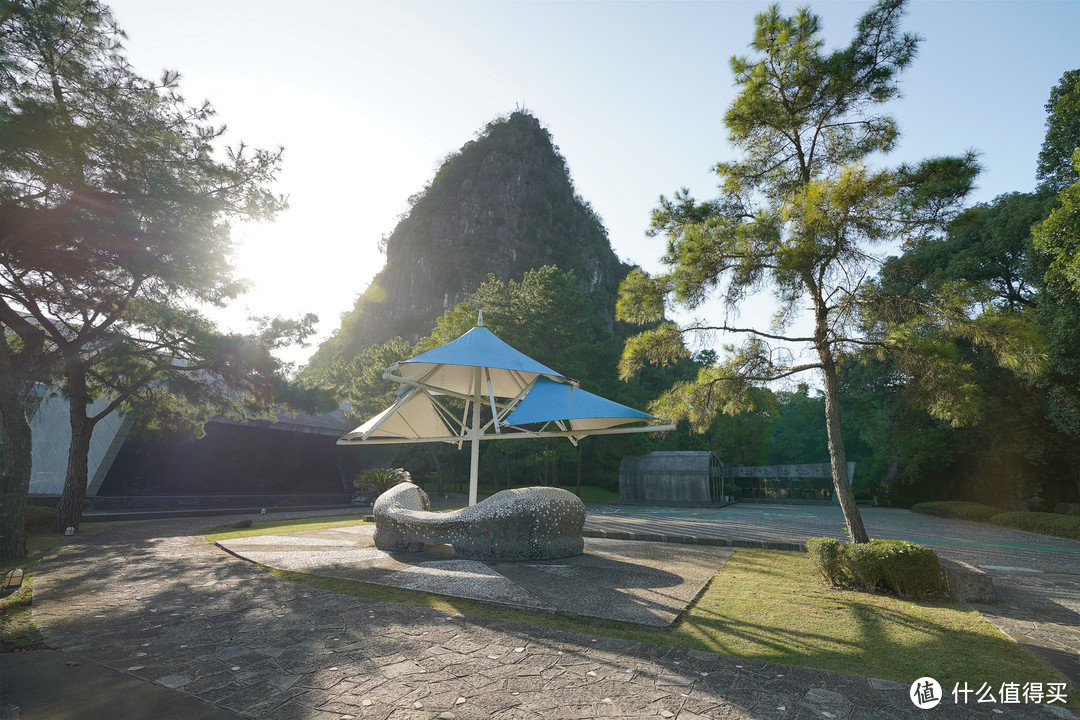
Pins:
x: 551, y: 402
x: 521, y: 398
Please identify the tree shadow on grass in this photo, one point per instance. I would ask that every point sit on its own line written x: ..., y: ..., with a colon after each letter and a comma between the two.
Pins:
x: 790, y: 617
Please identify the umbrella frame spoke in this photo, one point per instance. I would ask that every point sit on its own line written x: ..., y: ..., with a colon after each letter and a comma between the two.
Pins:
x: 479, y: 361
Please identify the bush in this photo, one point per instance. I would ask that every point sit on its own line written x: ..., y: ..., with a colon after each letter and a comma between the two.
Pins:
x: 733, y: 490
x: 1063, y: 526
x: 903, y: 568
x: 39, y: 519
x: 381, y: 479
x: 827, y: 555
x: 958, y: 509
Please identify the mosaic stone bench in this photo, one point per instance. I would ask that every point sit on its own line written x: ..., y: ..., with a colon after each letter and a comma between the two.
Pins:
x: 537, y: 523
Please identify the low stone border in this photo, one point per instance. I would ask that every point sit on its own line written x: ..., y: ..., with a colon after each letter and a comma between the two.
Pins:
x: 967, y: 583
x: 693, y: 540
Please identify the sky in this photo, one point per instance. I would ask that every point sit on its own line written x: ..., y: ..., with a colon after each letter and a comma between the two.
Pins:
x: 369, y: 97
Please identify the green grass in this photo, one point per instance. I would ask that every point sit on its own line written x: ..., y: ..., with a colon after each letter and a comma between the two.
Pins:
x: 280, y: 527
x: 17, y: 628
x: 762, y: 605
x: 772, y: 606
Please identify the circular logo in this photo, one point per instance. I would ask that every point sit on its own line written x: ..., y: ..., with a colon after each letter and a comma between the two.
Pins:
x: 925, y: 693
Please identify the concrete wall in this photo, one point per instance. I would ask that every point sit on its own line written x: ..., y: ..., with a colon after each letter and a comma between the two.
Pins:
x: 665, y: 479
x: 806, y: 470
x: 51, y: 430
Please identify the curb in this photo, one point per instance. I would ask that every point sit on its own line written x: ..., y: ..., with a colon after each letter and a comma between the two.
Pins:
x: 694, y: 540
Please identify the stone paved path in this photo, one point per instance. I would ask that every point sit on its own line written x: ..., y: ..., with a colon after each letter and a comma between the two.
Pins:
x: 155, y: 601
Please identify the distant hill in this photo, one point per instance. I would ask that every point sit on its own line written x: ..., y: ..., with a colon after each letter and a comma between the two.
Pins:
x: 503, y: 204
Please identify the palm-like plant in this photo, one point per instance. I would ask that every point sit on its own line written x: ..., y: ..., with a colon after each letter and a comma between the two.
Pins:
x: 381, y: 479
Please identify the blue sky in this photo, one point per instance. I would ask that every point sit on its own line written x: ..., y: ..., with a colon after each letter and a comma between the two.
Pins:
x: 369, y: 97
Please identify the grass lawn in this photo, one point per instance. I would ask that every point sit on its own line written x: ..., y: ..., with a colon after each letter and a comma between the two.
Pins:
x: 280, y: 527
x: 17, y: 630
x: 772, y: 606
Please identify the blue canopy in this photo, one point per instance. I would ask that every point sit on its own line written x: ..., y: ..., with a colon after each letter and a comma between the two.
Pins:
x: 477, y: 368
x: 550, y: 401
x: 451, y: 367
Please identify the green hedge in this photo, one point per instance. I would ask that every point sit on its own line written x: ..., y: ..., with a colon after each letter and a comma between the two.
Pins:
x: 897, y: 566
x: 1063, y: 526
x: 1055, y: 524
x: 957, y: 509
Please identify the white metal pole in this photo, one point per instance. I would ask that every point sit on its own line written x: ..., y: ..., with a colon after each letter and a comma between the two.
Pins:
x: 474, y: 460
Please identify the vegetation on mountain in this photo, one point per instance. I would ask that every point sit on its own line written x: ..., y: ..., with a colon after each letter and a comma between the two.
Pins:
x: 501, y: 205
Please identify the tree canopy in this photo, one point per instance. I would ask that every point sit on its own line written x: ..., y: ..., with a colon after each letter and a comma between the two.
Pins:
x: 800, y: 212
x: 116, y: 202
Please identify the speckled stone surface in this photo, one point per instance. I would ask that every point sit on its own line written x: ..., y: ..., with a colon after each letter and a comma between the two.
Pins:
x: 538, y: 523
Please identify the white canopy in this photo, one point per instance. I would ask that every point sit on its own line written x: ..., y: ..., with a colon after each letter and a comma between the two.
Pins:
x: 481, y: 369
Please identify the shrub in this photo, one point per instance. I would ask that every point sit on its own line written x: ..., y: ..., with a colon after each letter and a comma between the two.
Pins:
x: 1063, y: 526
x: 39, y: 519
x: 903, y: 568
x: 381, y: 479
x: 827, y: 555
x: 958, y: 509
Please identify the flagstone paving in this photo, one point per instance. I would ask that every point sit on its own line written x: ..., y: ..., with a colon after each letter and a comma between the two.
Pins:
x: 644, y: 583
x: 156, y: 602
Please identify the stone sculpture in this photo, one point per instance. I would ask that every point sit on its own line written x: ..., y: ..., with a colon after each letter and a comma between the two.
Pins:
x: 537, y: 523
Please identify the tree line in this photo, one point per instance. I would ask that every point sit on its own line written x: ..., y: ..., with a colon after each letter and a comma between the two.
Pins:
x: 116, y: 198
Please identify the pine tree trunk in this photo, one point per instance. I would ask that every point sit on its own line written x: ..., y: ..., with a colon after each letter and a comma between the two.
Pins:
x: 69, y: 511
x: 16, y: 439
x: 837, y: 454
x: 15, y: 481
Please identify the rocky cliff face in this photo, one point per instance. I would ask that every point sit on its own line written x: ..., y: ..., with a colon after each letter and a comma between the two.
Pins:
x: 502, y: 205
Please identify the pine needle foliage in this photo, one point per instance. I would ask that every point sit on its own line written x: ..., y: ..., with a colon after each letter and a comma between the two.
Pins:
x: 803, y: 212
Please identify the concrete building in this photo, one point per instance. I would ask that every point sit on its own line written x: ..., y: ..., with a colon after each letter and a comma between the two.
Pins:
x: 293, y: 460
x: 672, y: 478
x: 701, y: 478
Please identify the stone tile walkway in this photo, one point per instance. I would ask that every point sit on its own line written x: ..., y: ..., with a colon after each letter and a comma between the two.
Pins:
x: 156, y: 602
